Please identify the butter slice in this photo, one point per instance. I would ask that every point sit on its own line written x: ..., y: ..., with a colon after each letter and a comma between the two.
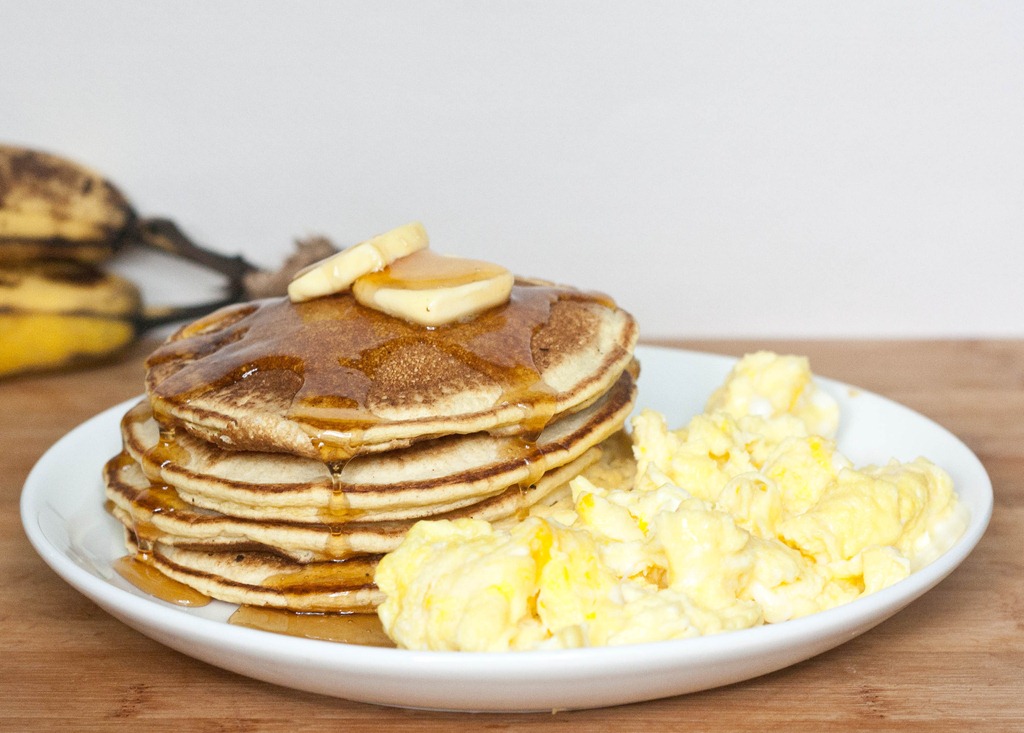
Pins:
x: 336, y: 273
x: 439, y: 290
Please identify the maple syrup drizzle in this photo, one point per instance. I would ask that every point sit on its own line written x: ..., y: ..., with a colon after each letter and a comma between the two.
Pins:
x: 336, y: 358
x: 364, y: 629
x: 138, y: 571
x: 339, y: 576
x: 428, y: 270
x: 145, y: 505
x: 165, y: 451
x: 122, y: 461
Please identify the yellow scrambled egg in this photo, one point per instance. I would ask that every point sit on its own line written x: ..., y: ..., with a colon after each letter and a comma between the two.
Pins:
x: 747, y: 515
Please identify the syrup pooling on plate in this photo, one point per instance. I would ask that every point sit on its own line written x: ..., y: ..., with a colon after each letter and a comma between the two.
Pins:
x: 347, y: 628
x: 337, y: 360
x: 138, y: 571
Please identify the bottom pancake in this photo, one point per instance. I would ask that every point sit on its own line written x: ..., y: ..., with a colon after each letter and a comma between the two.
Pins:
x: 266, y: 579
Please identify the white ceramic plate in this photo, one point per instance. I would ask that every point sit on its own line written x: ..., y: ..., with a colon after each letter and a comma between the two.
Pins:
x: 62, y: 511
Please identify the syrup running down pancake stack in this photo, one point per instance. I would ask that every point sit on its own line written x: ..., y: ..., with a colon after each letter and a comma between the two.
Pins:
x: 283, y: 447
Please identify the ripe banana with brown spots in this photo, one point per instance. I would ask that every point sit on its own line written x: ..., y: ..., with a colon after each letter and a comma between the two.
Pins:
x: 61, y: 314
x: 53, y: 208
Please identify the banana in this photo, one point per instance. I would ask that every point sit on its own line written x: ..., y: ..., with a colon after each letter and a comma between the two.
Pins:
x: 54, y: 208
x: 60, y: 222
x: 51, y: 207
x: 336, y: 273
x: 57, y: 314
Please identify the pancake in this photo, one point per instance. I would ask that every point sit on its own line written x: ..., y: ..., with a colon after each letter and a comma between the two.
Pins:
x: 249, y: 577
x: 331, y: 379
x: 428, y: 478
x: 157, y: 514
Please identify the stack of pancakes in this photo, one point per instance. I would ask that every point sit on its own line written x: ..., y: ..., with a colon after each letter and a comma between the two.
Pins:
x: 283, y: 447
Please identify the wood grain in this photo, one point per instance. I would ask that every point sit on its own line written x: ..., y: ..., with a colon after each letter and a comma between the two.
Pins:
x: 952, y: 661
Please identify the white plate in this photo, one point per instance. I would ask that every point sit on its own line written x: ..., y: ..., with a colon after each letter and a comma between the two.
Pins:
x: 62, y: 511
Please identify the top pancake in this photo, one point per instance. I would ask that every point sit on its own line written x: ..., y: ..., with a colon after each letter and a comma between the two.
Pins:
x: 330, y: 378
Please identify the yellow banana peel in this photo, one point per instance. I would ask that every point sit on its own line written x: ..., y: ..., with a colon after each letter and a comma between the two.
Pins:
x: 60, y: 314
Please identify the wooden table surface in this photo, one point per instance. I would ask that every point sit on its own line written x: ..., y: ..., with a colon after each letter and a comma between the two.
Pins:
x: 953, y: 660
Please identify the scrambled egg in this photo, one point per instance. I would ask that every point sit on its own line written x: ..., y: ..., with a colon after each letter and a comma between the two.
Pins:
x: 748, y: 515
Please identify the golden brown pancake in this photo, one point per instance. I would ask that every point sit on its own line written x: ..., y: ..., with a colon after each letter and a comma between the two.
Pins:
x: 330, y: 378
x: 265, y: 579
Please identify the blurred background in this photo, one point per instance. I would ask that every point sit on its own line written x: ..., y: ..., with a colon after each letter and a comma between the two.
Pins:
x: 798, y: 169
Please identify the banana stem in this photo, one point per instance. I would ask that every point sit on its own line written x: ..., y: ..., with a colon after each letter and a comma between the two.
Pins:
x: 164, y: 234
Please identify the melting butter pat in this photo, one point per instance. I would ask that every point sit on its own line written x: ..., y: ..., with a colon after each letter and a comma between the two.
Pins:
x: 433, y: 290
x: 336, y: 273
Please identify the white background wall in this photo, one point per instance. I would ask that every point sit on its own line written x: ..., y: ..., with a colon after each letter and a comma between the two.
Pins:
x: 722, y: 169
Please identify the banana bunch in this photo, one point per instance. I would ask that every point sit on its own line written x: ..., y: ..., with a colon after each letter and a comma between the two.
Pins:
x: 60, y: 223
